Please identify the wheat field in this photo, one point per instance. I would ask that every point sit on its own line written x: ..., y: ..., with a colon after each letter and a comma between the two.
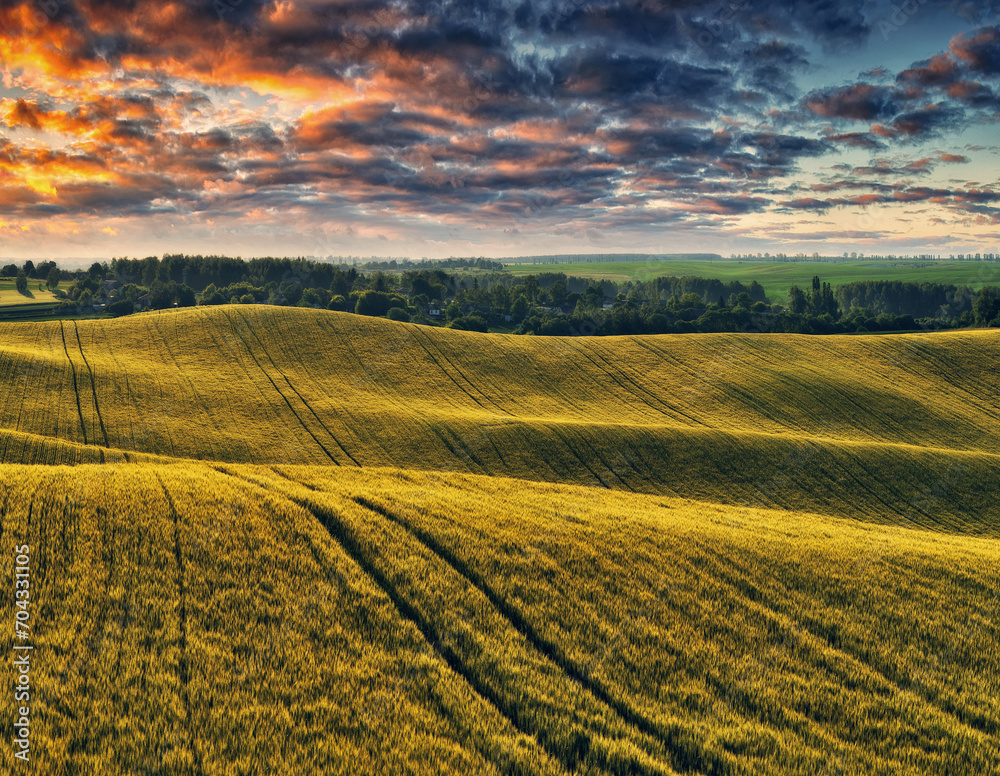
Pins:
x: 282, y: 540
x: 895, y: 428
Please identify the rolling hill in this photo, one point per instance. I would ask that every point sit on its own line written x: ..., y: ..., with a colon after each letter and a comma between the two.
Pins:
x: 876, y: 428
x: 303, y: 541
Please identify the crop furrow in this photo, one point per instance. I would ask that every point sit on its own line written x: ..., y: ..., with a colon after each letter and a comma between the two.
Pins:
x: 93, y: 386
x: 408, y: 612
x: 448, y: 374
x: 596, y: 350
x: 849, y: 660
x: 299, y: 395
x: 184, y: 667
x: 672, y: 414
x: 571, y: 449
x: 461, y: 374
x: 76, y: 387
x: 282, y: 395
x: 679, y: 751
x: 954, y: 378
x: 389, y: 396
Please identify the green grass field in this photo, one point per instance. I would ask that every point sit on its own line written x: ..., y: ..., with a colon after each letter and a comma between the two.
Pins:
x: 270, y: 539
x: 777, y: 278
x: 10, y: 297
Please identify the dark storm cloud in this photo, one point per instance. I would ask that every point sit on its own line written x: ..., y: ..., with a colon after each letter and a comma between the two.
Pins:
x: 857, y: 140
x: 860, y: 102
x: 927, y: 121
x: 555, y: 107
x: 979, y: 51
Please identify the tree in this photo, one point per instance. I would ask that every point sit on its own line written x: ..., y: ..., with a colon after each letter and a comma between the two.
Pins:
x: 470, y: 323
x: 9, y: 271
x: 593, y: 297
x: 212, y: 295
x: 530, y: 287
x: 29, y: 268
x: 374, y: 303
x: 520, y: 308
x: 398, y: 314
x: 452, y: 311
x: 161, y: 295
x: 96, y: 271
x: 53, y: 279
x: 986, y: 308
x: 119, y: 308
x: 797, y: 302
x: 21, y: 283
x: 558, y: 292
x: 742, y: 299
x: 186, y: 296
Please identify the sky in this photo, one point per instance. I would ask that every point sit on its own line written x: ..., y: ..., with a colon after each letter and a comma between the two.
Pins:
x: 435, y: 129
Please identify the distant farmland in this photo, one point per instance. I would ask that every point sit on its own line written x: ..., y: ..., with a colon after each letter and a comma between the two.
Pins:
x: 9, y: 296
x: 778, y: 277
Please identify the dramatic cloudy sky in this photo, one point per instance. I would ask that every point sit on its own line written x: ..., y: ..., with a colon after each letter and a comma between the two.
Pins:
x: 485, y: 127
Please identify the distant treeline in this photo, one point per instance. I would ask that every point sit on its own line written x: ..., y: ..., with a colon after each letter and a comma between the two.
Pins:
x: 605, y: 258
x: 489, y: 297
x: 893, y: 297
x: 872, y: 307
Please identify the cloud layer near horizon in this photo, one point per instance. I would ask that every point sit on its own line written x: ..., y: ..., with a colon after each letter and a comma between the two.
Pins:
x: 456, y: 124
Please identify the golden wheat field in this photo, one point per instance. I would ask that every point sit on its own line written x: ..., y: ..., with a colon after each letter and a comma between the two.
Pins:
x: 274, y: 540
x: 872, y: 427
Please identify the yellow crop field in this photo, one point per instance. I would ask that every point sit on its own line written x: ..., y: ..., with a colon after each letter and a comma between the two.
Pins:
x: 271, y: 540
x: 895, y: 428
x: 233, y: 619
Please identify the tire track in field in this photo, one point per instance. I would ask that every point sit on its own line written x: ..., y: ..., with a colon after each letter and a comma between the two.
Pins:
x: 596, y: 350
x: 226, y: 345
x: 571, y: 431
x: 295, y: 391
x: 449, y: 374
x: 576, y: 455
x: 729, y: 389
x: 952, y: 376
x: 76, y: 387
x: 460, y: 374
x: 348, y: 348
x: 183, y: 663
x: 752, y: 597
x: 407, y: 612
x: 673, y: 412
x: 278, y: 391
x: 159, y: 387
x: 93, y: 385
x: 184, y: 375
x: 679, y: 752
x: 858, y: 460
x: 358, y: 434
x: 699, y: 380
x: 420, y: 416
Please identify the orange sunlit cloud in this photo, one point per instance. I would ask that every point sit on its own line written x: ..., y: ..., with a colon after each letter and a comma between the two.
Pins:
x: 248, y: 125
